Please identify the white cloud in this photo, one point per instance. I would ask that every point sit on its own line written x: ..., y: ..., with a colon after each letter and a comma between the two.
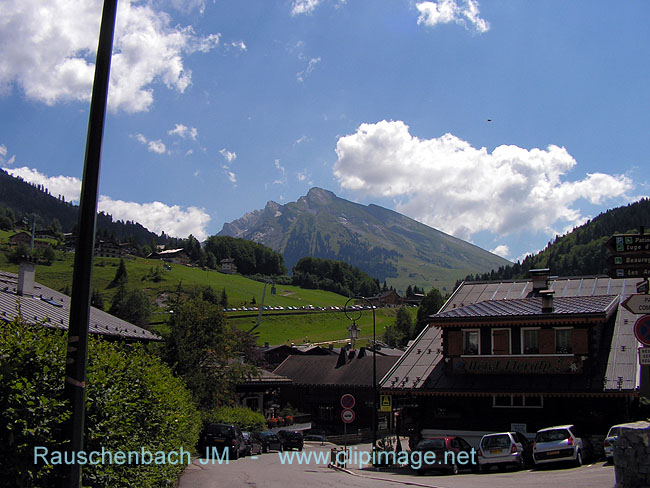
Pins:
x: 299, y: 7
x: 231, y: 176
x: 452, y: 186
x: 448, y: 11
x: 308, y: 70
x: 3, y: 151
x: 184, y: 132
x: 156, y: 146
x: 158, y: 217
x: 47, y: 49
x: 155, y: 216
x: 501, y: 250
x: 228, y: 156
x: 279, y: 167
x: 240, y: 45
x: 68, y: 186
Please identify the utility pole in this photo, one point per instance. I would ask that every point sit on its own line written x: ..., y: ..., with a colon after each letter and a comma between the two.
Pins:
x: 76, y: 362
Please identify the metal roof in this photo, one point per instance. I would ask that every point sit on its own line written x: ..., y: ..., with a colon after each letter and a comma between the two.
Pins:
x: 419, y: 372
x: 52, y: 309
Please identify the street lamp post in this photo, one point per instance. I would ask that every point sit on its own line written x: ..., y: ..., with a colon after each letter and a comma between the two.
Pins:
x: 351, y: 314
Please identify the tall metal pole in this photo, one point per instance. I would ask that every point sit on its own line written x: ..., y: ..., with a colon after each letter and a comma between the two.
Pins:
x: 75, y: 373
x: 374, y: 364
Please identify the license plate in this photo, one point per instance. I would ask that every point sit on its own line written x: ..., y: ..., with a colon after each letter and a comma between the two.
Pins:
x: 553, y: 453
x: 220, y: 440
x: 495, y: 451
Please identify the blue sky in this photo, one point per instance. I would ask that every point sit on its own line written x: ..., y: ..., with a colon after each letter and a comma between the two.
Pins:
x: 500, y: 122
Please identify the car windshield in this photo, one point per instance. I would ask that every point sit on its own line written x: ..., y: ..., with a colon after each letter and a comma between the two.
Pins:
x: 430, y: 444
x: 223, y: 430
x: 552, y: 435
x: 495, y: 441
x: 616, y: 431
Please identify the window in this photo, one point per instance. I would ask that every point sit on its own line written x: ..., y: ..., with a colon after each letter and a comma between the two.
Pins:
x: 530, y: 341
x: 517, y: 401
x: 471, y: 343
x: 563, y: 341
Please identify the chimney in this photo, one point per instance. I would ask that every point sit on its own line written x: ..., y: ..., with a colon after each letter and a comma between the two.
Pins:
x: 540, y: 279
x: 547, y: 300
x: 25, y: 279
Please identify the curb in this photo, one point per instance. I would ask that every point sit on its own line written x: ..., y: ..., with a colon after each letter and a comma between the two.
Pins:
x: 388, y: 480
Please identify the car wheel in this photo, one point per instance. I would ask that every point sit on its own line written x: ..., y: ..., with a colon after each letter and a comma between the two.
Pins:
x: 236, y: 454
x: 578, y: 459
x: 265, y: 449
x: 454, y: 469
x: 300, y: 448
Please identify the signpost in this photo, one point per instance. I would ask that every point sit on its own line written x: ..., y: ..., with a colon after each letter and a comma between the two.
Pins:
x: 347, y: 401
x: 637, y: 304
x: 347, y: 415
x: 630, y: 256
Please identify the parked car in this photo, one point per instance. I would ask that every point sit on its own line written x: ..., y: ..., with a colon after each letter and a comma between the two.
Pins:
x: 612, y: 436
x: 223, y: 436
x: 253, y: 444
x: 559, y: 443
x: 291, y: 439
x: 315, y: 438
x: 447, y: 450
x: 504, y: 449
x: 269, y: 441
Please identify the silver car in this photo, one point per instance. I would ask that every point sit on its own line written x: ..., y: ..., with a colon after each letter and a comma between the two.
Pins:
x: 503, y: 449
x: 559, y: 443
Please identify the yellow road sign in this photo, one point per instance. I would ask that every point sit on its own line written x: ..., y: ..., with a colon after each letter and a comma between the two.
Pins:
x: 385, y: 403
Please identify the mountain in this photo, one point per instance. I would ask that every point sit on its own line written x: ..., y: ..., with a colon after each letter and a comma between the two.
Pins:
x: 582, y: 251
x: 35, y: 202
x: 383, y: 243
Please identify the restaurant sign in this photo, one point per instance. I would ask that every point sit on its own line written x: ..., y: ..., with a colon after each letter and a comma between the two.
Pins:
x: 515, y: 365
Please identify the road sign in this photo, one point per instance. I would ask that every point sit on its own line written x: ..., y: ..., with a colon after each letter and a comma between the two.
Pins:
x: 644, y: 356
x: 637, y: 303
x: 629, y: 243
x: 385, y: 403
x: 347, y: 401
x: 642, y: 330
x: 635, y: 272
x: 628, y: 260
x: 347, y: 415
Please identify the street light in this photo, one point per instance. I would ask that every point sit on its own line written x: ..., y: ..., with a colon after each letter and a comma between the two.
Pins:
x: 351, y: 315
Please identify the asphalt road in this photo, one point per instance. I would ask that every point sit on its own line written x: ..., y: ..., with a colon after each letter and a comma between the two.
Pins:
x: 268, y: 471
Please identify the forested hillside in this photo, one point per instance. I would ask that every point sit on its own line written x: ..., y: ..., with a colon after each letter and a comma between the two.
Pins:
x: 581, y: 251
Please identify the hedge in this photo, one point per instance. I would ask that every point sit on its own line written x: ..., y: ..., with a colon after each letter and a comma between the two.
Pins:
x: 133, y: 402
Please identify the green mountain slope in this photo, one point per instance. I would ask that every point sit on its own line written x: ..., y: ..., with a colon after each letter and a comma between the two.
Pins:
x: 383, y: 243
x: 581, y: 251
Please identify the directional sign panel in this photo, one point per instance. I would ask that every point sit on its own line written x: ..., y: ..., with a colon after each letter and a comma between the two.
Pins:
x: 629, y: 243
x: 636, y: 272
x: 642, y: 330
x: 628, y: 260
x: 638, y: 303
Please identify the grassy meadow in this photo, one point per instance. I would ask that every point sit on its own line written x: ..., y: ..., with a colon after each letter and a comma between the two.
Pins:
x: 275, y: 327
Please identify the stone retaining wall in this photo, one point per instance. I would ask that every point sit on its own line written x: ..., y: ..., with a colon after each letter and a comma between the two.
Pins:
x: 632, y: 456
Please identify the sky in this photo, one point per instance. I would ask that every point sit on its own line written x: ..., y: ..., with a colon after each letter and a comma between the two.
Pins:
x: 502, y: 122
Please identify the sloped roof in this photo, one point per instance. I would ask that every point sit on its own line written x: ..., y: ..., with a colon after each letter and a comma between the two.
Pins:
x: 530, y: 307
x: 52, y: 309
x: 419, y: 370
x: 322, y: 370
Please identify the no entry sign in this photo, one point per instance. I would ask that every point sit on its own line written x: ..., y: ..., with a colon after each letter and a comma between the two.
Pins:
x: 642, y: 330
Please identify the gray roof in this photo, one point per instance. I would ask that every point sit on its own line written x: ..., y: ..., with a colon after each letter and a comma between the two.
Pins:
x: 52, y: 308
x: 420, y: 369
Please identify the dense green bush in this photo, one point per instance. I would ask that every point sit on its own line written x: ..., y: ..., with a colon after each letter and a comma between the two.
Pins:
x: 242, y: 417
x: 133, y: 403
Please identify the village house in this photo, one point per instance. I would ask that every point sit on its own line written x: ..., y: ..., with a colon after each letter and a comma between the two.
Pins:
x: 228, y: 266
x: 176, y: 256
x: 522, y: 355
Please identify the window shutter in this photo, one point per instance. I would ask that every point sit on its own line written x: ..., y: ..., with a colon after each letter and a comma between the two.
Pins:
x: 547, y: 341
x: 454, y: 343
x: 580, y: 341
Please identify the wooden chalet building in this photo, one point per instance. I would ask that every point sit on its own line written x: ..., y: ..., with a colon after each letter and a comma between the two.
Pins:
x: 522, y: 354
